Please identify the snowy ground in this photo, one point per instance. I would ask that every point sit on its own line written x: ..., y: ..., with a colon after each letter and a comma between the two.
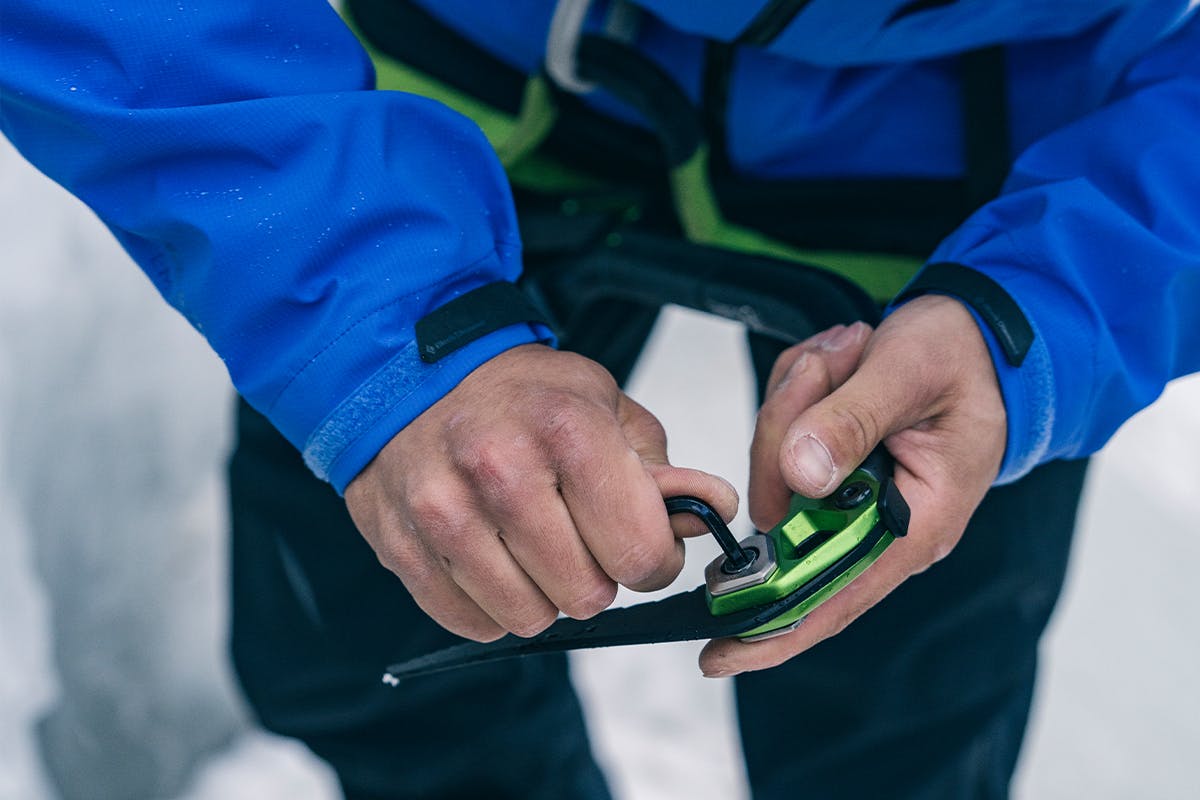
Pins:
x: 113, y: 680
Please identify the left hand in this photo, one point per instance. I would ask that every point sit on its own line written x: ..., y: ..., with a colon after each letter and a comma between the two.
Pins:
x: 924, y: 385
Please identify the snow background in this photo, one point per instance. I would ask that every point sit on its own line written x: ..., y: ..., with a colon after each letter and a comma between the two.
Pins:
x: 114, y: 683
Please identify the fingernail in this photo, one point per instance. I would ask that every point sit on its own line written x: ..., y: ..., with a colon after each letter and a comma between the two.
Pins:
x: 824, y: 336
x: 798, y: 366
x: 720, y: 673
x: 841, y: 339
x: 812, y: 460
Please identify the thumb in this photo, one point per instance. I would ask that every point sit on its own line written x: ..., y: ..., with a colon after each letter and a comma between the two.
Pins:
x: 648, y: 439
x: 889, y: 392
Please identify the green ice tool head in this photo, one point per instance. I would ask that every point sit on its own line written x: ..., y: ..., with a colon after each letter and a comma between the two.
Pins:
x: 816, y: 550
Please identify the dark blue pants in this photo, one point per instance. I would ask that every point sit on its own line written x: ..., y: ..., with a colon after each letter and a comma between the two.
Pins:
x: 926, y: 696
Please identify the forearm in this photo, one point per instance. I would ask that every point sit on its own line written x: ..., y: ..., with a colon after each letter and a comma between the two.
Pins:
x: 299, y: 219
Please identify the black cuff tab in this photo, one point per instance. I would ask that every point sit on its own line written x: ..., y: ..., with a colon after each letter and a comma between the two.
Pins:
x: 471, y: 316
x: 988, y: 298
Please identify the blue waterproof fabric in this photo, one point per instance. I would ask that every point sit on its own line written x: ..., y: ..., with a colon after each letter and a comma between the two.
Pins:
x: 303, y: 222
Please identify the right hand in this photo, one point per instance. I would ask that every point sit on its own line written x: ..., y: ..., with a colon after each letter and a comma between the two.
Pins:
x: 535, y: 486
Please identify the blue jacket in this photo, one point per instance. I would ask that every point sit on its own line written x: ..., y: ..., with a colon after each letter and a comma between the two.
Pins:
x: 303, y: 222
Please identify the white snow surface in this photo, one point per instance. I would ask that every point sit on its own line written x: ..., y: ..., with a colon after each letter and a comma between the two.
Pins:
x: 114, y: 681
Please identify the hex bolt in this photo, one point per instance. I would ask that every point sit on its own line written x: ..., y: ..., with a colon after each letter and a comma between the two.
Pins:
x: 852, y: 495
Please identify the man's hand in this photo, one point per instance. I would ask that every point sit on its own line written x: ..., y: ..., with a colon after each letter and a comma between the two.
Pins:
x: 924, y: 385
x: 536, y: 486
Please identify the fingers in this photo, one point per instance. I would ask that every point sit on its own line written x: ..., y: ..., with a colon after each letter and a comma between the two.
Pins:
x: 512, y: 490
x: 712, y: 489
x: 424, y: 574
x: 618, y: 510
x: 926, y: 373
x: 646, y: 435
x: 803, y: 375
x: 926, y: 387
x: 543, y: 540
x: 890, y: 390
x: 532, y: 488
x: 488, y: 574
x: 481, y: 565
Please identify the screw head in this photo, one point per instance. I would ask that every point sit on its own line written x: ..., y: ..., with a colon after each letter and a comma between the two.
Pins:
x: 852, y: 495
x: 728, y: 568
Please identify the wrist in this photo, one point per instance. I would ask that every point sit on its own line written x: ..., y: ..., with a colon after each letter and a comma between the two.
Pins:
x: 402, y: 389
x: 1021, y: 360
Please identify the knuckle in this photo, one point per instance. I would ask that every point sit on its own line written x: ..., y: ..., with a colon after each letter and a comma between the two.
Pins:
x: 419, y: 572
x: 427, y: 502
x: 487, y: 633
x: 785, y: 361
x: 773, y: 414
x: 492, y: 465
x: 938, y: 548
x: 591, y: 373
x: 591, y: 601
x: 400, y: 552
x: 938, y: 551
x: 533, y: 621
x: 858, y: 423
x: 475, y: 627
x: 437, y: 513
x: 395, y: 557
x: 639, y: 562
x: 568, y: 432
x: 818, y: 372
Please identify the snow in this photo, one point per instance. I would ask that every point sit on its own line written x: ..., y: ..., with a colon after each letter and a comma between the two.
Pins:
x: 28, y: 687
x: 114, y: 423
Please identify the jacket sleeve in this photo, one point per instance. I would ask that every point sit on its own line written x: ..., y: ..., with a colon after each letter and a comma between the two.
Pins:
x: 300, y: 220
x: 1096, y: 236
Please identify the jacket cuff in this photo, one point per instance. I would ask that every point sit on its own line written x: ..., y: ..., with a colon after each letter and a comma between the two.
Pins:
x: 369, y: 381
x: 399, y: 391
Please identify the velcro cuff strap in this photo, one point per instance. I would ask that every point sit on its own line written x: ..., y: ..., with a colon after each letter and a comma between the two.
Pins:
x: 988, y: 298
x: 471, y: 316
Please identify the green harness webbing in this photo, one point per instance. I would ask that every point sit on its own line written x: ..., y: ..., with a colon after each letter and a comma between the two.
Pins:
x: 518, y: 139
x: 881, y: 275
x: 515, y: 138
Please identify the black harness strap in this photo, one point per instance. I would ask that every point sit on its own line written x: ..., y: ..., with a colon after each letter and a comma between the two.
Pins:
x: 900, y: 216
x: 986, y: 138
x: 904, y: 216
x: 766, y: 26
x: 635, y: 79
x: 581, y: 137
